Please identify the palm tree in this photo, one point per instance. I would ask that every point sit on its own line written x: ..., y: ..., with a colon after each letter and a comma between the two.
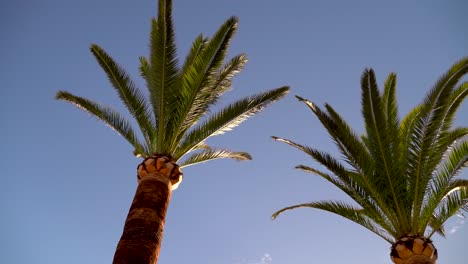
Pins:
x: 175, y: 121
x: 400, y: 174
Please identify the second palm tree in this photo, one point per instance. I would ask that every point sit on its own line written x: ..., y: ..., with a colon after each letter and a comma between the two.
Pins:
x: 402, y: 175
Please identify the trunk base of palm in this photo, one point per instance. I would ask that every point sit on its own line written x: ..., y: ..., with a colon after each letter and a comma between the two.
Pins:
x: 413, y: 250
x: 143, y: 231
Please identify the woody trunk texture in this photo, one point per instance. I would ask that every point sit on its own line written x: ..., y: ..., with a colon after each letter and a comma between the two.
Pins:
x: 143, y: 230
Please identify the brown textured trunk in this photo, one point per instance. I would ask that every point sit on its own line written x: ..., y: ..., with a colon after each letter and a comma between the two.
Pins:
x: 419, y: 259
x: 143, y: 231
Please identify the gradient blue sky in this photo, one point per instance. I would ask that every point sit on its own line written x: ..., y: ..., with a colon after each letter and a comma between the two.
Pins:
x: 68, y: 181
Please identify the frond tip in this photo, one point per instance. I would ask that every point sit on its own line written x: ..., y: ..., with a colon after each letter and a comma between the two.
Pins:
x: 208, y: 154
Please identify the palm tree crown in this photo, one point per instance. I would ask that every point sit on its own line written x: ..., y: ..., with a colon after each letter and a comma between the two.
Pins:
x: 401, y: 174
x: 179, y: 96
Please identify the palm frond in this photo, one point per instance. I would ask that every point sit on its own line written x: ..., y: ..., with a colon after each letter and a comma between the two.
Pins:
x: 390, y: 108
x: 196, y: 95
x: 108, y: 116
x: 389, y: 97
x: 163, y: 77
x: 208, y: 154
x: 221, y: 84
x: 349, y: 212
x: 458, y: 96
x: 452, y: 203
x: 349, y: 144
x: 144, y: 68
x: 198, y: 45
x: 439, y: 229
x: 387, y: 179
x: 356, y: 181
x: 444, y: 182
x: 226, y: 74
x: 229, y: 118
x: 344, y: 137
x: 353, y: 189
x: 134, y: 101
x: 425, y: 153
x: 323, y: 158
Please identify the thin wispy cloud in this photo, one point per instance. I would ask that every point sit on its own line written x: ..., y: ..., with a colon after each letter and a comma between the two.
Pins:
x: 460, y: 221
x: 265, y: 259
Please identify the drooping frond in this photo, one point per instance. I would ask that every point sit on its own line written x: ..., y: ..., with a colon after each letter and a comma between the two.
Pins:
x: 208, y: 154
x: 349, y: 186
x: 228, y: 118
x: 108, y: 116
x: 458, y: 96
x: 452, y: 203
x: 163, y: 76
x: 134, y: 101
x: 359, y: 186
x: 345, y: 138
x: 345, y: 210
x: 444, y: 180
x: 355, y: 153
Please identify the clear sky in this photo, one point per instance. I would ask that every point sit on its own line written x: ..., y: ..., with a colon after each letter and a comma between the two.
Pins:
x: 68, y: 181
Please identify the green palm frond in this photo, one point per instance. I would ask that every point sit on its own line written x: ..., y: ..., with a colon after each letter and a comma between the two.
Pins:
x: 163, y: 77
x: 108, y: 116
x: 208, y: 154
x: 425, y: 152
x: 444, y: 181
x: 360, y: 188
x: 390, y: 109
x: 134, y: 101
x: 144, y: 68
x: 350, y: 212
x: 355, y: 154
x: 401, y: 173
x: 344, y: 137
x: 179, y: 97
x: 228, y: 118
x: 196, y: 95
x: 349, y: 186
x: 452, y: 203
x: 439, y: 229
x: 220, y: 85
x: 224, y: 77
x: 197, y: 47
x: 387, y: 177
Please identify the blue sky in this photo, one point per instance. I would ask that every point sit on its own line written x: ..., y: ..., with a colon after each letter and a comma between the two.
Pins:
x: 68, y: 181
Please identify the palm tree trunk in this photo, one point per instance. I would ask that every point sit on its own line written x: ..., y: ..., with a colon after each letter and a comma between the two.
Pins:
x: 143, y: 231
x: 412, y: 249
x: 419, y: 259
